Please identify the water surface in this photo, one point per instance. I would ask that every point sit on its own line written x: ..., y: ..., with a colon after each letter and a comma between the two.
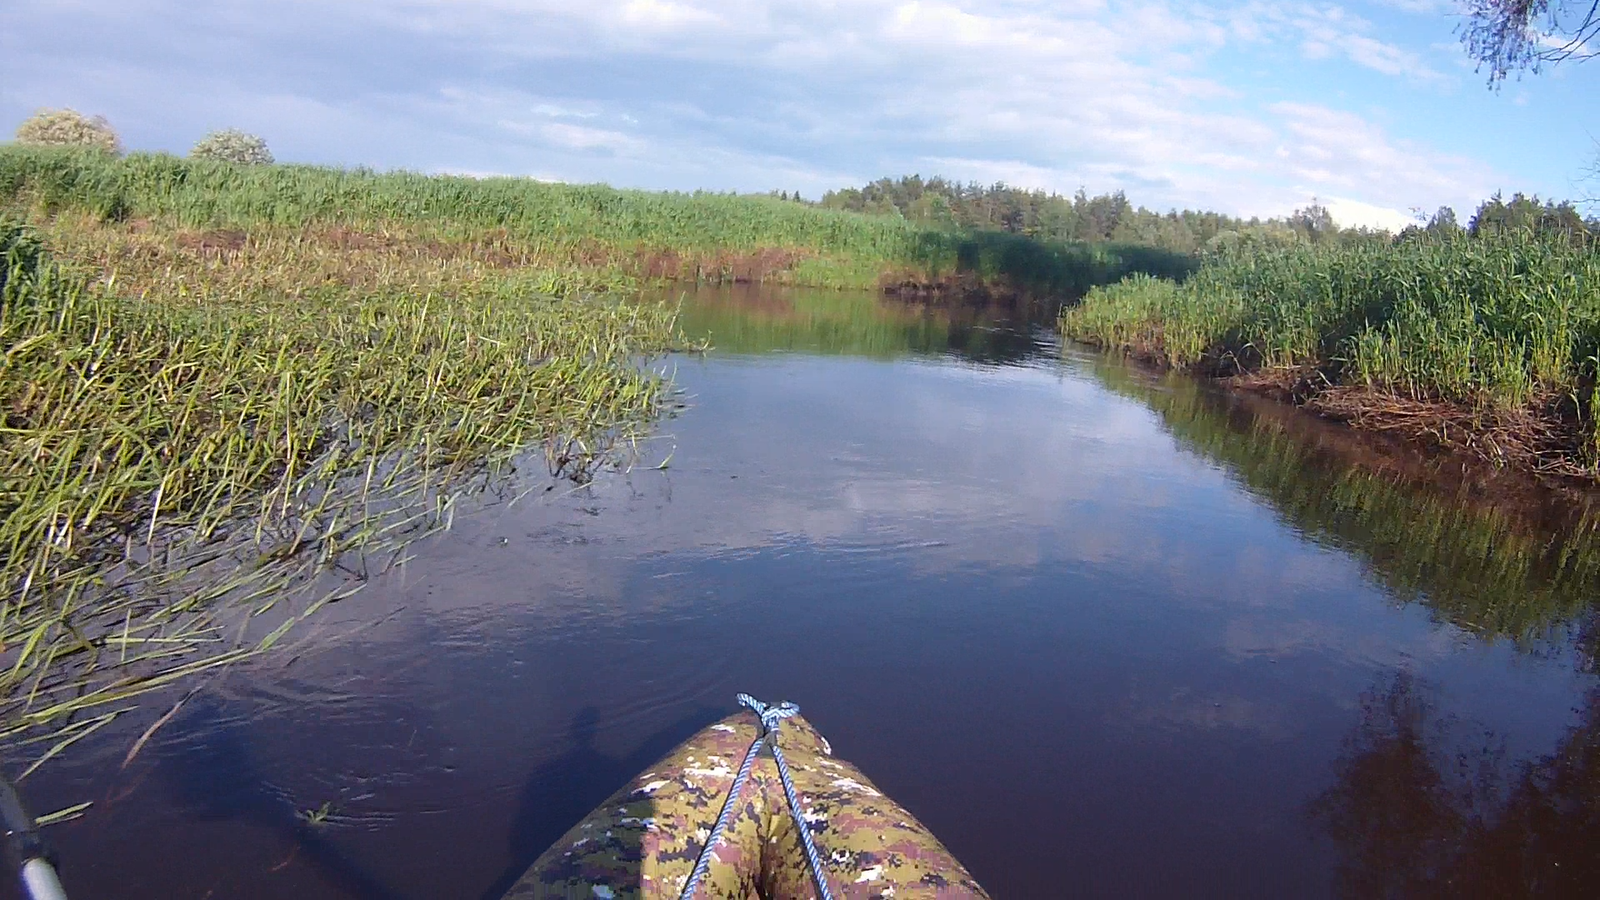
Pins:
x: 1107, y: 634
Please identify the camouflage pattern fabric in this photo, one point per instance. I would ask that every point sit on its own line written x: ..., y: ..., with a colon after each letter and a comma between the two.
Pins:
x: 644, y: 840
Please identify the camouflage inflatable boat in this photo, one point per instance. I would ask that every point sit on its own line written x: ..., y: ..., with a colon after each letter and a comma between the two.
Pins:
x: 645, y: 840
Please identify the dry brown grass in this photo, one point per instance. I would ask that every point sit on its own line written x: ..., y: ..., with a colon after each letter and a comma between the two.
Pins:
x: 1544, y: 438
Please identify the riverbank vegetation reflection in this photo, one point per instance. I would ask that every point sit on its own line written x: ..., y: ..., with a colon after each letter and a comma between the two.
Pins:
x: 1423, y: 805
x: 749, y: 319
x: 1502, y: 559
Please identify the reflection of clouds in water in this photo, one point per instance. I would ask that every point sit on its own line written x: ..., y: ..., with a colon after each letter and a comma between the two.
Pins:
x: 1185, y: 709
x: 982, y: 457
x: 905, y: 470
x: 973, y: 467
x: 1274, y: 576
x: 1256, y: 636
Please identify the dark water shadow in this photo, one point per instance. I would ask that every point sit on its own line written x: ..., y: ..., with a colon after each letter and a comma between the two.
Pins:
x: 563, y: 790
x: 1424, y: 806
x: 212, y: 773
x: 761, y: 319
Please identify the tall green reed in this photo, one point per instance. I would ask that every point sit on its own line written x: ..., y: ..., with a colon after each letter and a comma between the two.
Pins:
x: 1498, y: 321
x: 832, y: 248
x: 188, y: 437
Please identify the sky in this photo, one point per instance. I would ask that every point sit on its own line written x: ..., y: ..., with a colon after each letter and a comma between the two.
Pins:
x: 1241, y: 106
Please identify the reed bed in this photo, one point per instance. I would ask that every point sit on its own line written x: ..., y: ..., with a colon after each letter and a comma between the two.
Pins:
x: 1486, y: 344
x: 593, y: 226
x: 197, y: 423
x: 638, y: 234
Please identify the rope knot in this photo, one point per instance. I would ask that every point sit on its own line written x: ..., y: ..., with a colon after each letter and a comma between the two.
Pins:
x: 769, y: 714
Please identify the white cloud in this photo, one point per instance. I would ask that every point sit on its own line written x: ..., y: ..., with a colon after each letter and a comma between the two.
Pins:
x: 1355, y: 214
x: 656, y: 14
x: 757, y: 94
x: 1326, y: 32
x: 1331, y: 150
x: 1433, y: 7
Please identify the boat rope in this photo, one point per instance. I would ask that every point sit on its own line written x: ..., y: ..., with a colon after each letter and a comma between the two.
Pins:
x: 772, y: 716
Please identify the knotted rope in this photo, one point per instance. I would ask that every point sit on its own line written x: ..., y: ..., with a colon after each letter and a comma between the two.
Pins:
x: 771, y: 717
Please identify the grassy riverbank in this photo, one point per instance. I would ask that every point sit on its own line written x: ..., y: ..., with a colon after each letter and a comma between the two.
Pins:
x: 186, y: 426
x: 577, y: 234
x: 1479, y: 344
x: 197, y: 419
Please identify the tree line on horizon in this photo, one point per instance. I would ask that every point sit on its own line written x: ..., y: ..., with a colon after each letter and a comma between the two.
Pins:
x: 1111, y: 217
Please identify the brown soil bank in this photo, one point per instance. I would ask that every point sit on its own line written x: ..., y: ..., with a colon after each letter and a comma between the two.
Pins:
x: 1546, y: 438
x: 1443, y: 442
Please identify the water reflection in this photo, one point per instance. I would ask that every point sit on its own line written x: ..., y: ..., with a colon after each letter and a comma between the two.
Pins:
x: 757, y: 319
x: 1500, y: 557
x: 1425, y: 806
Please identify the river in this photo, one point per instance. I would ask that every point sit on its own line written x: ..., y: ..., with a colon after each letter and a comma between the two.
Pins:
x: 1106, y: 633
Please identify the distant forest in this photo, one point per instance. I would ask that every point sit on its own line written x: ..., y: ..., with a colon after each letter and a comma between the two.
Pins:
x: 1111, y: 218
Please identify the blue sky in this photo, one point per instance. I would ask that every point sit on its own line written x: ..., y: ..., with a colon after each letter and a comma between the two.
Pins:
x: 1246, y: 107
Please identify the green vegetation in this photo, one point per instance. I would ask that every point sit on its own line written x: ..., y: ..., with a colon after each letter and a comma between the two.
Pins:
x: 1079, y: 219
x: 1491, y: 333
x: 197, y: 421
x: 233, y: 145
x: 594, y: 227
x: 630, y: 235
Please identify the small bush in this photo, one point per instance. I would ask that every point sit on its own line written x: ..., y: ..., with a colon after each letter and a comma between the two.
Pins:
x: 68, y: 128
x: 232, y: 145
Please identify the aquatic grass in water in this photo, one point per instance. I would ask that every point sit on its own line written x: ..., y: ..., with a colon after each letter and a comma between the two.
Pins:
x: 174, y: 411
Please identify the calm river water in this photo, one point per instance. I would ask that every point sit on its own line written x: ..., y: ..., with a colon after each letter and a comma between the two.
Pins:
x: 1106, y: 634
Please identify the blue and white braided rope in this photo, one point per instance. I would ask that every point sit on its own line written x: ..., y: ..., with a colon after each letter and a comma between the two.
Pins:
x: 771, y: 717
